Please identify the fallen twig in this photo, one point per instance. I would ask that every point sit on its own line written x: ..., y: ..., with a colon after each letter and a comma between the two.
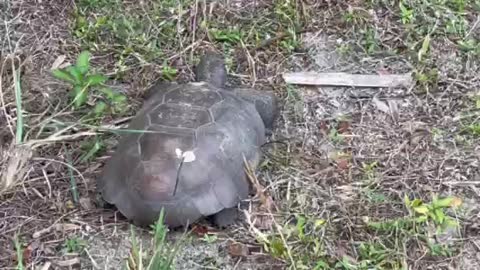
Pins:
x: 346, y: 79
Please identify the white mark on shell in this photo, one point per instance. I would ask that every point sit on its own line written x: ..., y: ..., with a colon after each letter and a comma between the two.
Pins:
x: 187, y: 156
x: 198, y: 83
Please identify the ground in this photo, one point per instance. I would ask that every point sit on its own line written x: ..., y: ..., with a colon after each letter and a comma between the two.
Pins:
x: 352, y: 178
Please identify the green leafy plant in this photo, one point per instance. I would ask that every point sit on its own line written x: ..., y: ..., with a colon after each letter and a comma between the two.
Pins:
x: 91, y: 149
x: 74, y: 244
x: 433, y: 211
x: 406, y: 13
x: 83, y: 81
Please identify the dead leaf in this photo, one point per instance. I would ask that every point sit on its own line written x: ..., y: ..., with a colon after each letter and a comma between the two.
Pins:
x: 69, y: 205
x: 393, y: 105
x: 60, y: 59
x: 46, y: 266
x: 66, y: 227
x: 67, y: 263
x: 236, y: 249
x: 456, y: 202
x: 265, y: 199
x: 62, y: 227
x: 27, y: 254
x: 323, y: 126
x: 382, y: 106
x: 200, y: 230
x: 262, y: 221
x: 343, y: 164
x: 86, y: 203
x: 343, y: 127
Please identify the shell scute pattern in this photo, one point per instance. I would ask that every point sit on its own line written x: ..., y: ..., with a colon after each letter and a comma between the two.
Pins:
x: 150, y: 185
x: 179, y: 115
x: 159, y: 142
x: 196, y: 95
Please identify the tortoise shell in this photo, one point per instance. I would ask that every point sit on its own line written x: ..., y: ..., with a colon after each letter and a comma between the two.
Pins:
x: 189, y: 159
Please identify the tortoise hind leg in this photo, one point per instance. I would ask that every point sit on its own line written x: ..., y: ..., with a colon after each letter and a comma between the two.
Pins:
x: 265, y: 102
x: 225, y: 218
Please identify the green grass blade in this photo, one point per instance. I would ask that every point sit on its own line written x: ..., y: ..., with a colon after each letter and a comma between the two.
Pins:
x: 73, y: 183
x: 19, y: 250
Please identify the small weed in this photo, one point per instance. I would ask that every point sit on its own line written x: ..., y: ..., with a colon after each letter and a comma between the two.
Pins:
x: 287, y: 13
x: 74, y: 245
x: 306, y: 233
x: 427, y: 79
x: 355, y: 17
x: 384, y: 251
x: 134, y: 34
x: 169, y: 72
x: 474, y: 129
x: 162, y: 255
x: 434, y: 211
x: 369, y: 170
x: 369, y: 41
x: 335, y: 136
x: 377, y: 255
x: 469, y: 46
x: 406, y: 13
x: 229, y: 36
x: 91, y: 149
x: 19, y: 249
x: 209, y: 238
x: 83, y: 81
x: 344, y: 49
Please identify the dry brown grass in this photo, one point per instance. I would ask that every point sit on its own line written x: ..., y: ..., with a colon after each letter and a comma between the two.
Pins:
x: 419, y: 144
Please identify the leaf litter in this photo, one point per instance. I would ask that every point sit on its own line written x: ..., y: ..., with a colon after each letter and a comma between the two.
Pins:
x: 317, y: 165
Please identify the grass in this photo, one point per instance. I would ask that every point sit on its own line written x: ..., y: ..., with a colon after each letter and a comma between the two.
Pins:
x: 161, y: 256
x: 355, y: 188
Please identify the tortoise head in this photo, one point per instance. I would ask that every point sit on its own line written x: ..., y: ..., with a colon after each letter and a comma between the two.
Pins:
x: 212, y: 69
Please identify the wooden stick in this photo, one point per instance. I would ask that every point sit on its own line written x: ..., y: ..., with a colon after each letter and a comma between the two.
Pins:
x: 345, y: 79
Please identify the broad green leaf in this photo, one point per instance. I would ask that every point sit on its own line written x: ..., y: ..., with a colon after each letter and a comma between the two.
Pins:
x: 321, y: 265
x: 406, y: 200
x: 440, y: 216
x: 416, y: 202
x: 75, y: 73
x: 80, y: 96
x: 83, y: 62
x: 107, y: 92
x: 97, y: 146
x: 63, y: 75
x: 443, y: 203
x: 100, y: 107
x: 119, y: 98
x: 450, y: 222
x: 421, y: 219
x: 300, y: 225
x: 422, y: 209
x: 319, y: 223
x: 425, y: 47
x: 96, y: 79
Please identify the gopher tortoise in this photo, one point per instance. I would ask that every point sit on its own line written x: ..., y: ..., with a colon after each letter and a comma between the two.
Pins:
x: 189, y: 159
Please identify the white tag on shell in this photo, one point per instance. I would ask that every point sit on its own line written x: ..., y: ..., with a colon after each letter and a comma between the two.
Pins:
x: 187, y: 156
